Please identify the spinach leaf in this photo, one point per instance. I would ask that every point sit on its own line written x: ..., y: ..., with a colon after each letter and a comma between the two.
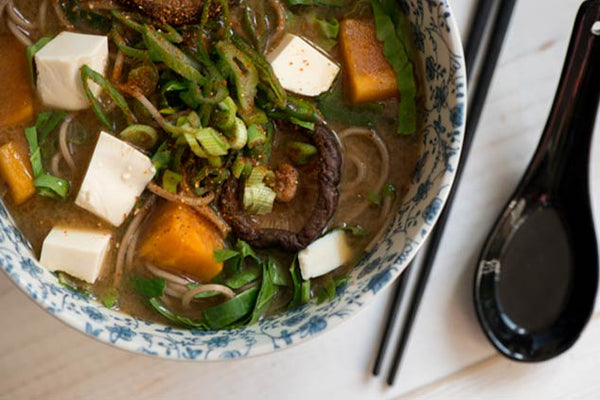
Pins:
x: 245, y: 276
x: 149, y: 287
x: 177, y: 319
x: 327, y: 291
x: 225, y: 254
x: 392, y: 29
x: 227, y: 313
x: 268, y: 290
x: 334, y: 106
x: 279, y: 275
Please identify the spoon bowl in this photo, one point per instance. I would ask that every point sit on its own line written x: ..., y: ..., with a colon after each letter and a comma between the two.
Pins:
x: 537, y: 275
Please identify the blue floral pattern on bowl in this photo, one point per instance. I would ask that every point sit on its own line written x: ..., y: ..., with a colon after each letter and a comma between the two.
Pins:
x: 444, y: 77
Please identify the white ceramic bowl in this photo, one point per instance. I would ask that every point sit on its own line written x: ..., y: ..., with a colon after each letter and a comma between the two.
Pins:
x: 440, y: 51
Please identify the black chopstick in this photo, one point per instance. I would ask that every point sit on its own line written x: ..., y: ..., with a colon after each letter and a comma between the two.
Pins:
x: 473, y: 44
x: 490, y: 60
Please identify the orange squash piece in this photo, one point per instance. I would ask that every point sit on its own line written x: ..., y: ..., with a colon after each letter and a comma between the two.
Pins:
x: 16, y: 95
x: 369, y: 73
x: 181, y: 240
x: 15, y: 169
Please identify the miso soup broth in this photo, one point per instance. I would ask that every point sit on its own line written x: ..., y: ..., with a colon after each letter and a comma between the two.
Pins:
x: 207, y: 165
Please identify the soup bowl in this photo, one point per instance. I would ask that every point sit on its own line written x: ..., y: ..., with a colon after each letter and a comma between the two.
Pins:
x: 443, y: 79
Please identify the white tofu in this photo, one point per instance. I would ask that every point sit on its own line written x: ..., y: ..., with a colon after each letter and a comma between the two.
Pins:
x: 115, y: 178
x: 79, y: 253
x: 301, y: 68
x: 58, y: 63
x: 325, y: 254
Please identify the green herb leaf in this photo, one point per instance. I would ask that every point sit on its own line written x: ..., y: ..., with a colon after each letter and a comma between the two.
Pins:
x: 227, y: 313
x: 389, y: 190
x: 392, y: 30
x: 109, y: 298
x: 374, y: 197
x: 66, y: 281
x: 305, y: 292
x: 149, y: 287
x: 279, y: 275
x: 177, y: 319
x: 336, y: 107
x: 327, y: 291
x: 246, y: 250
x: 268, y: 290
x: 296, y: 283
x: 225, y: 254
x: 357, y: 231
x: 244, y: 277
x: 170, y: 181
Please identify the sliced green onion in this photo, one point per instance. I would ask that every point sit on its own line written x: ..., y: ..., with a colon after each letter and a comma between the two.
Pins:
x: 47, y: 123
x: 31, y: 52
x: 232, y: 310
x: 266, y: 73
x: 225, y: 114
x: 35, y: 155
x: 256, y: 135
x: 89, y: 74
x: 238, y: 136
x: 50, y: 185
x: 257, y: 176
x: 243, y: 73
x: 301, y: 153
x: 172, y: 56
x: 125, y: 49
x: 162, y: 157
x: 212, y: 141
x: 191, y: 140
x: 258, y: 199
x: 171, y: 180
x: 241, y: 167
x: 143, y: 136
x: 305, y: 292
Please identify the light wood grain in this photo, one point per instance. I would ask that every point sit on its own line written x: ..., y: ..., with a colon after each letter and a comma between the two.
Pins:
x: 40, y: 358
x: 568, y: 376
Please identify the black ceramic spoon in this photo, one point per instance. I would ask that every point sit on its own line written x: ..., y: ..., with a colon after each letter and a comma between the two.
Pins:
x: 537, y: 276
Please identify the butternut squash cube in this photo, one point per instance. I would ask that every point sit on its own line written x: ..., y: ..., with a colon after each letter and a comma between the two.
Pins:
x: 181, y: 240
x: 15, y: 169
x: 16, y: 96
x: 369, y: 73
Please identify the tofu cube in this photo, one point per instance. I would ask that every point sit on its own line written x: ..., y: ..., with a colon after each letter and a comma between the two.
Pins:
x: 325, y: 254
x: 301, y: 68
x: 115, y: 178
x: 79, y: 253
x: 58, y: 63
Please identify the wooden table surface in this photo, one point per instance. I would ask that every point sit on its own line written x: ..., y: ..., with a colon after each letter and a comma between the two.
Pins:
x: 447, y: 358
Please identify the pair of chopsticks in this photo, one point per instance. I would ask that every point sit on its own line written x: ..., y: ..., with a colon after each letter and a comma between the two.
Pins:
x: 490, y: 57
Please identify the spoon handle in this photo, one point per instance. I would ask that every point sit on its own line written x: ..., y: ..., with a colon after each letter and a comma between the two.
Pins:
x: 562, y: 157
